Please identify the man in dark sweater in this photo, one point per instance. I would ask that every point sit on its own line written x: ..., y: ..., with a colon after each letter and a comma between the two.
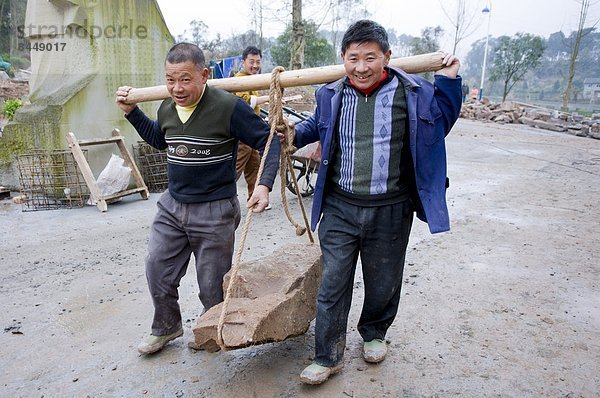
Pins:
x: 200, y: 128
x: 383, y: 158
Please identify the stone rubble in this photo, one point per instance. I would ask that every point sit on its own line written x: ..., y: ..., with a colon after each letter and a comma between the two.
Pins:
x: 534, y: 116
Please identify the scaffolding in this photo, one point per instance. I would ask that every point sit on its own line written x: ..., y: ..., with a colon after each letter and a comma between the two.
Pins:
x: 152, y: 163
x: 50, y: 180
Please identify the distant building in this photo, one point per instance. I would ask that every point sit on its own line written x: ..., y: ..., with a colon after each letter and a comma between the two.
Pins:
x: 591, y: 88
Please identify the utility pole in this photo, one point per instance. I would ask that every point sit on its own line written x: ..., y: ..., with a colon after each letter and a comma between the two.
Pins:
x: 486, y: 10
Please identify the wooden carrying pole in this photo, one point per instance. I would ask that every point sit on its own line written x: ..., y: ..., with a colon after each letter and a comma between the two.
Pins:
x: 294, y: 78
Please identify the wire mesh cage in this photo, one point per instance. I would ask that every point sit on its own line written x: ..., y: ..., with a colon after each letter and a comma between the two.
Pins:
x: 152, y: 163
x: 50, y: 179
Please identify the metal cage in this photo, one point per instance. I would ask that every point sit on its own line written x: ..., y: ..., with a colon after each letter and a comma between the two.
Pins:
x: 50, y: 179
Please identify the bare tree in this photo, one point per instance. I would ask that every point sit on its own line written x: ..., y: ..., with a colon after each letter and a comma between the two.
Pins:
x: 580, y: 34
x: 339, y: 10
x: 462, y: 20
x: 297, y: 60
x: 198, y: 35
x: 343, y: 12
x: 256, y: 7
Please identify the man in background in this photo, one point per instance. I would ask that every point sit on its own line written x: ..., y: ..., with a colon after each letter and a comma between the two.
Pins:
x: 248, y: 159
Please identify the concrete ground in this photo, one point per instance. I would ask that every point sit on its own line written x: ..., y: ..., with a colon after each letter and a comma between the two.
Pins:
x: 504, y: 305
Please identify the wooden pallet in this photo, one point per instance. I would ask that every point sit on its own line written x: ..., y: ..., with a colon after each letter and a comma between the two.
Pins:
x: 102, y: 201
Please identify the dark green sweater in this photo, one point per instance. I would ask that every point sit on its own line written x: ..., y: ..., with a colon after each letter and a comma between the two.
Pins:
x: 201, y: 152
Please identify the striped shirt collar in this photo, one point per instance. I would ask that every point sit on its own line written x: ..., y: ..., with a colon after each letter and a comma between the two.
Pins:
x: 369, y: 90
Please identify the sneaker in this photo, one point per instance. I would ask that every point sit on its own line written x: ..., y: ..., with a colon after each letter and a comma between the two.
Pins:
x: 152, y: 344
x: 317, y: 374
x: 374, y: 351
x: 268, y: 207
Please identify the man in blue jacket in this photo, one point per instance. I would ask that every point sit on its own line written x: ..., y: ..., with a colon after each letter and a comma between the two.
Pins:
x: 382, y: 132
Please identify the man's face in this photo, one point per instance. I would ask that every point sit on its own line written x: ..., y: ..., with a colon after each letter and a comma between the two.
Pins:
x: 185, y: 82
x: 252, y: 64
x: 364, y: 63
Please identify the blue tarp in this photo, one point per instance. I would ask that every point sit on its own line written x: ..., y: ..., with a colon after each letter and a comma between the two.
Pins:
x: 226, y: 67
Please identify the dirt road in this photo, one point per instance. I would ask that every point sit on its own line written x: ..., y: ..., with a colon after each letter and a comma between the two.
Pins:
x: 504, y: 305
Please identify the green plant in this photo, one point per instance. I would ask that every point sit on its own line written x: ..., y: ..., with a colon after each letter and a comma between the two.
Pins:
x: 10, y: 107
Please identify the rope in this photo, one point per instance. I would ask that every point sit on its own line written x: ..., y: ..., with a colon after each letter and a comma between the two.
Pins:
x: 278, y: 124
x: 286, y: 164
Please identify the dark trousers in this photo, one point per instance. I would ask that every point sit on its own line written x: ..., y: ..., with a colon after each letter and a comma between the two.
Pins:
x: 248, y: 163
x: 379, y: 235
x: 179, y: 229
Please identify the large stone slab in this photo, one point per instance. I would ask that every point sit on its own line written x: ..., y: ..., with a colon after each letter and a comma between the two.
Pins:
x: 273, y: 298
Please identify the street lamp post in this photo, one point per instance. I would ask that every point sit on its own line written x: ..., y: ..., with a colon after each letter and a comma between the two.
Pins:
x: 486, y: 10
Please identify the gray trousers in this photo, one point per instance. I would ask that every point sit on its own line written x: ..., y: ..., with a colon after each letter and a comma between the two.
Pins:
x: 178, y: 230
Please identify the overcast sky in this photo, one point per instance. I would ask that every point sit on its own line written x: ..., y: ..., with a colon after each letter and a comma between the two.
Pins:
x: 541, y: 17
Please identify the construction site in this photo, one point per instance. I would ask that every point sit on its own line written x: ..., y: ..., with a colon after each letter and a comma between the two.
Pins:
x: 504, y: 304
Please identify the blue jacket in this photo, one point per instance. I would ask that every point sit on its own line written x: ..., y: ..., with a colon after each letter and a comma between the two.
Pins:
x: 432, y: 111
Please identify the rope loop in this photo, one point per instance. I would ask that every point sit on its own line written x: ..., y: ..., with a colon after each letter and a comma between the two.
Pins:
x: 278, y: 124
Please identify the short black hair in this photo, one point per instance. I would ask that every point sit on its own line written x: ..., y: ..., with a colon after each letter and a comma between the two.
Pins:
x: 183, y: 52
x: 251, y: 50
x: 365, y: 31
